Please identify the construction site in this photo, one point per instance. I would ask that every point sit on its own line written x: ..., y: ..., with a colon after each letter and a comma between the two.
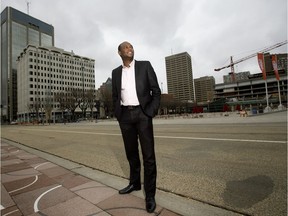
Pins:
x: 255, y: 93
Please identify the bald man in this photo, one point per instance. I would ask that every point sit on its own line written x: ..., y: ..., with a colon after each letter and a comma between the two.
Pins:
x: 136, y: 99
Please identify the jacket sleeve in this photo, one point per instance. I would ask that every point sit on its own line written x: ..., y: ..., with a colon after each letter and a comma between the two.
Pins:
x: 115, y: 94
x: 152, y: 108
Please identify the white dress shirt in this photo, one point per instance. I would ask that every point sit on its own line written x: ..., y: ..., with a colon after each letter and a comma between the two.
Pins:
x: 128, y: 87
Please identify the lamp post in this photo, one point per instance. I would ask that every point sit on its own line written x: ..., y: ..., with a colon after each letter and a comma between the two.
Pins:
x: 53, y: 111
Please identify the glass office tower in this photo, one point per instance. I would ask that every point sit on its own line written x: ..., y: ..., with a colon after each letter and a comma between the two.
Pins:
x: 17, y: 31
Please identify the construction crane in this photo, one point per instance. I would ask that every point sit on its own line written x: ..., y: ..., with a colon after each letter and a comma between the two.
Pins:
x: 248, y: 57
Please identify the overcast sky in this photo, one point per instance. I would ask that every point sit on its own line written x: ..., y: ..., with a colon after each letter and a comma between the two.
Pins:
x: 209, y: 30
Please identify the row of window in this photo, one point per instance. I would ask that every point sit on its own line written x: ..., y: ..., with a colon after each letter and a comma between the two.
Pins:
x: 42, y: 105
x: 64, y: 58
x: 91, y: 86
x: 59, y: 81
x: 59, y: 71
x: 57, y: 64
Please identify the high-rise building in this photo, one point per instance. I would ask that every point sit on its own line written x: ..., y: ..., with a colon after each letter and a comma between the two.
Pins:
x: 180, y: 76
x: 204, y: 88
x: 44, y: 72
x: 17, y: 31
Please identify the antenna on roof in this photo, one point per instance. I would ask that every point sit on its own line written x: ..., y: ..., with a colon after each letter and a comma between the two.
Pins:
x: 27, y: 2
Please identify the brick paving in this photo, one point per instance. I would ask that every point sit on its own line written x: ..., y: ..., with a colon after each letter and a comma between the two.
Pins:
x: 33, y: 186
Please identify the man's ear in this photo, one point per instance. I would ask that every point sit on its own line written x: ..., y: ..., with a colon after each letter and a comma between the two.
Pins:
x: 119, y: 53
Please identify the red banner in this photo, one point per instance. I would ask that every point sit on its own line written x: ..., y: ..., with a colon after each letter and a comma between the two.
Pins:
x: 261, y: 63
x: 275, y: 66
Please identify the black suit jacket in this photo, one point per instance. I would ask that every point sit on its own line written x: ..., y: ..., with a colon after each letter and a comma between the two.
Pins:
x: 147, y: 88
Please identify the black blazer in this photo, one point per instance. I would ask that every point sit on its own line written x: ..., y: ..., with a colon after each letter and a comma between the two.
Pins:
x: 147, y: 88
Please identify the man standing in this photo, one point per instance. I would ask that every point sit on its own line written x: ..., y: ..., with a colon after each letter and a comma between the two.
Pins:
x: 136, y: 98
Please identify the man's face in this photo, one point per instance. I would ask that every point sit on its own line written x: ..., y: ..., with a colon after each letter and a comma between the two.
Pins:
x: 126, y: 50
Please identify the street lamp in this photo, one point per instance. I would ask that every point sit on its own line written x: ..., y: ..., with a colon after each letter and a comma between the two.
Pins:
x: 53, y: 111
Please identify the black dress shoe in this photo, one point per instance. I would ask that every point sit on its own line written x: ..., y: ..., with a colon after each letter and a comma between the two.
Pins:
x: 150, y: 204
x: 129, y: 189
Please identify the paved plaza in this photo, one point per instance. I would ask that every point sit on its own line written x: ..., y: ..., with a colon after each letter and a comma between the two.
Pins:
x: 207, y: 165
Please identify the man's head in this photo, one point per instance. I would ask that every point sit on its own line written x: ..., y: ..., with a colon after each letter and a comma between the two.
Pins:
x: 126, y: 51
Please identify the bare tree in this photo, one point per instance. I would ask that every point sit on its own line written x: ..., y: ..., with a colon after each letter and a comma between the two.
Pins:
x: 36, y: 106
x: 72, y: 101
x: 48, y: 107
x: 91, y: 99
x: 106, y: 97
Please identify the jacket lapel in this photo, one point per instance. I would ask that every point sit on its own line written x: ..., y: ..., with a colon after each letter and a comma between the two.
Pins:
x: 136, y: 74
x: 119, y: 79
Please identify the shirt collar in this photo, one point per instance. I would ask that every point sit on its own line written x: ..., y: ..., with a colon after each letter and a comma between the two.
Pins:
x: 130, y: 65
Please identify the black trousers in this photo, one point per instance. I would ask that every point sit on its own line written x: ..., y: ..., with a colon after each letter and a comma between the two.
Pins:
x: 134, y: 125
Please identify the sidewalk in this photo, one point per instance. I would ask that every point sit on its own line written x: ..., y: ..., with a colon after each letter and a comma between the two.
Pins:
x: 36, y: 183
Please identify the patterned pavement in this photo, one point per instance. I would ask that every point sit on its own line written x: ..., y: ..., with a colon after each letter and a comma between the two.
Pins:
x: 31, y: 185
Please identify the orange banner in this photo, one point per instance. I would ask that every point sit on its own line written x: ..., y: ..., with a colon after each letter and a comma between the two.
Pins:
x: 261, y: 63
x: 275, y: 66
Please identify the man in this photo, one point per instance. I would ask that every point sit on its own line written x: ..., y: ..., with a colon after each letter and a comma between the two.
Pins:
x: 136, y: 98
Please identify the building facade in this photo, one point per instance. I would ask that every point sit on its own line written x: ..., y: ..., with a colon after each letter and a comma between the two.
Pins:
x: 44, y: 72
x: 180, y: 77
x: 204, y: 89
x: 17, y: 31
x: 238, y: 77
x: 252, y: 92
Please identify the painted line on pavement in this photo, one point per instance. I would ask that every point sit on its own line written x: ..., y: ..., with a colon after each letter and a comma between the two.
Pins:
x: 220, y: 139
x: 164, y: 137
x: 36, y: 167
x: 36, y: 179
x: 9, y: 213
x: 43, y: 194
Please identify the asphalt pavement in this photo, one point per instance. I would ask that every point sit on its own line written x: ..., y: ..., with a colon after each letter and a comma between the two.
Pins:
x: 66, y: 177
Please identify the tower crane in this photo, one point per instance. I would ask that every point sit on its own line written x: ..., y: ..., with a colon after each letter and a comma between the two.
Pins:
x: 248, y: 57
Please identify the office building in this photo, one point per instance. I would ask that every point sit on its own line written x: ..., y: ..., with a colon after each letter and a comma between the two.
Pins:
x: 17, y: 31
x: 180, y: 77
x: 44, y: 73
x: 204, y: 89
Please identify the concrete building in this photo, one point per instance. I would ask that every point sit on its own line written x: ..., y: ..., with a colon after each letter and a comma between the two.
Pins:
x: 251, y: 93
x: 281, y: 61
x: 44, y: 72
x: 238, y: 77
x: 204, y: 89
x: 17, y: 31
x: 180, y: 77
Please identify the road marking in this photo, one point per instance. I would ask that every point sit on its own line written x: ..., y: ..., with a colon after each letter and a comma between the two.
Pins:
x: 43, y: 194
x: 36, y: 179
x: 165, y: 137
x: 218, y: 139
x: 9, y: 213
x: 36, y: 167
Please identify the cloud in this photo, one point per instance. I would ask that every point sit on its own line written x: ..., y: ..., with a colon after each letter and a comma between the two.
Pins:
x: 210, y: 31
